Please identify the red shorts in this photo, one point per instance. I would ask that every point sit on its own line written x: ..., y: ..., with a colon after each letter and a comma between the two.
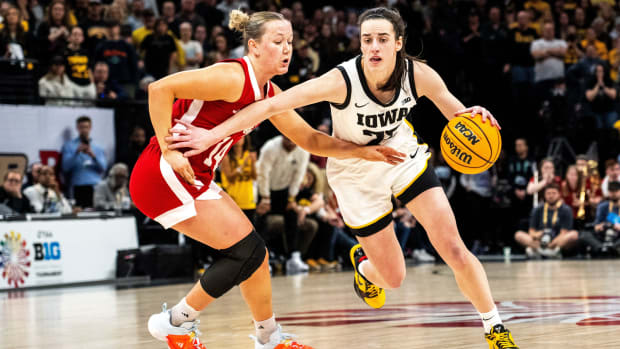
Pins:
x: 163, y: 195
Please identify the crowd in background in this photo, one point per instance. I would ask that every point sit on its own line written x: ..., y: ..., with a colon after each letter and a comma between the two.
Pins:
x: 549, y: 71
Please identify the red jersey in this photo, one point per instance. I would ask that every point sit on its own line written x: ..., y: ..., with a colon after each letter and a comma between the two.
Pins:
x: 208, y: 114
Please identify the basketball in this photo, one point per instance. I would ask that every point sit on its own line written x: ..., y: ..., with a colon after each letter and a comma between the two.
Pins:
x: 470, y: 146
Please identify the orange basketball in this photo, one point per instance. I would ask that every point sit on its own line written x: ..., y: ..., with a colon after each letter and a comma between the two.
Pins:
x: 470, y: 146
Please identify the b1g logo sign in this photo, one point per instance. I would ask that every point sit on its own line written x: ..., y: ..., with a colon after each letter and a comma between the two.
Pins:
x: 46, y: 251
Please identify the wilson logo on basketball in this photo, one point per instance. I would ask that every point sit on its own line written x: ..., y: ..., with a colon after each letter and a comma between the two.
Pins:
x: 456, y: 151
x: 467, y: 133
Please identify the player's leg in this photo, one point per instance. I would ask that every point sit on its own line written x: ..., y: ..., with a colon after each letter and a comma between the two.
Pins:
x: 243, y: 261
x: 432, y: 209
x: 385, y: 266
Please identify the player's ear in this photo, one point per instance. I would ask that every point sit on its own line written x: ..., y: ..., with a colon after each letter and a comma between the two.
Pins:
x: 399, y: 43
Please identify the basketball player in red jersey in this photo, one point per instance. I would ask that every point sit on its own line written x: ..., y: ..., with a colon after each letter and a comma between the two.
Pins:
x: 178, y: 192
x: 370, y: 95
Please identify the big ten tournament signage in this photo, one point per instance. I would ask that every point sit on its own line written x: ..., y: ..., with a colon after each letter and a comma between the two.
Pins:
x: 62, y: 251
x: 40, y: 131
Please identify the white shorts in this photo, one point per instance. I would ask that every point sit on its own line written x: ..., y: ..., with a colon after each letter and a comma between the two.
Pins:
x: 364, y: 189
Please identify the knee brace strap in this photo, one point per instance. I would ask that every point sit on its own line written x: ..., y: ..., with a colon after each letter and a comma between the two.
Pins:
x: 234, y: 265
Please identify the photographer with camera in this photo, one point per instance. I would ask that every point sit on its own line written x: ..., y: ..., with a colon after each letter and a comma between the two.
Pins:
x: 605, y: 241
x: 551, y: 227
x: 83, y: 164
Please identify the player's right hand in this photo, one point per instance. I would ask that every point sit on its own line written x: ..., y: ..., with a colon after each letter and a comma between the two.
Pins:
x: 180, y: 165
x: 381, y: 153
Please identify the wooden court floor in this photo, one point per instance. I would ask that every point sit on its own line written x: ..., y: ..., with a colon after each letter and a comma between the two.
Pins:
x: 546, y: 304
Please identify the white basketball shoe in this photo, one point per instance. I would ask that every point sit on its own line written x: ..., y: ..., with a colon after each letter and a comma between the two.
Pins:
x: 279, y: 340
x: 184, y: 336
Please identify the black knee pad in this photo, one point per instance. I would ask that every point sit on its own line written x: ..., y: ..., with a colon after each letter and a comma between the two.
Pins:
x: 234, y: 265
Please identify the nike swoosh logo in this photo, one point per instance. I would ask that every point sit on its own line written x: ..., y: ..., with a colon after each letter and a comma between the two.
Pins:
x: 414, y: 154
x: 361, y: 106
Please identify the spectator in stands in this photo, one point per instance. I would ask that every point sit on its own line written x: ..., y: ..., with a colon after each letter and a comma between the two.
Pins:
x: 614, y: 60
x: 94, y: 27
x: 221, y: 51
x: 591, y: 39
x: 478, y: 193
x: 55, y: 84
x: 604, y: 240
x: 114, y: 14
x: 45, y: 196
x: 32, y: 176
x: 15, y: 42
x: 121, y: 59
x: 106, y: 88
x: 159, y: 51
x: 520, y: 169
x: 239, y: 175
x: 168, y: 12
x: 522, y: 67
x: 112, y: 192
x: 601, y: 96
x: 207, y: 9
x: 574, y: 51
x: 281, y: 169
x: 192, y: 48
x: 53, y: 33
x: 77, y: 66
x: 548, y: 52
x: 11, y: 193
x: 135, y: 18
x: 188, y: 14
x: 138, y: 35
x: 543, y: 176
x: 612, y: 174
x: 83, y: 163
x: 200, y: 35
x: 551, y: 227
x: 137, y: 143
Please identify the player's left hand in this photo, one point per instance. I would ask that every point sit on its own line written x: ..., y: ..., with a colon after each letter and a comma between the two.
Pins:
x: 482, y: 111
x: 381, y: 153
x: 196, y: 139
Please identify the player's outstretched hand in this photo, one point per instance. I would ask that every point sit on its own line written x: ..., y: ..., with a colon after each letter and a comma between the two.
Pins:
x: 180, y: 165
x: 475, y: 110
x: 196, y: 139
x: 381, y: 153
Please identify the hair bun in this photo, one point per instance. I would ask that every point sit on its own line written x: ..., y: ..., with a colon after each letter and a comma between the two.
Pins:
x: 238, y: 20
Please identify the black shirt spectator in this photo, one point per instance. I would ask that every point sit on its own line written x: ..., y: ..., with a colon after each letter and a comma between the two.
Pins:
x: 137, y: 143
x: 120, y: 56
x: 11, y: 193
x: 15, y: 42
x: 206, y: 9
x: 159, y: 50
x: 53, y: 33
x: 95, y: 28
x: 77, y: 59
x: 521, y: 39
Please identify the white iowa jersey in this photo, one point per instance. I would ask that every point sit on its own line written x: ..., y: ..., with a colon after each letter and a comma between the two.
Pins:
x: 363, y: 119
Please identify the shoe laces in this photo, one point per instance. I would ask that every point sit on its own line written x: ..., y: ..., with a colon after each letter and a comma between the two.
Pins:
x: 503, y: 340
x: 372, y: 290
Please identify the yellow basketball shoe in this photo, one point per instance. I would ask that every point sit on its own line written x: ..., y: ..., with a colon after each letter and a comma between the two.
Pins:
x: 500, y: 338
x: 366, y: 290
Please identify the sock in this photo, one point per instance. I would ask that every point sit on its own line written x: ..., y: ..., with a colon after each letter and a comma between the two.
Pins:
x: 265, y: 328
x: 490, y: 319
x: 182, y: 312
x: 361, y: 267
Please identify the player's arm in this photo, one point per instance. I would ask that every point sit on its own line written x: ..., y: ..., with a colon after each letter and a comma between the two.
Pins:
x: 295, y: 128
x: 428, y: 83
x: 218, y: 82
x: 330, y: 87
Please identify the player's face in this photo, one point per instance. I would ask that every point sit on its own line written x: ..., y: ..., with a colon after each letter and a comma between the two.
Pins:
x: 275, y: 47
x: 379, y: 44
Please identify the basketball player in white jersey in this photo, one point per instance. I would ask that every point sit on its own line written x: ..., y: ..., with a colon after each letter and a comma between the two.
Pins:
x: 370, y: 97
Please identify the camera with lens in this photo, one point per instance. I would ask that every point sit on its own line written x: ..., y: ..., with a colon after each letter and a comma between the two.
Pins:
x: 545, y: 239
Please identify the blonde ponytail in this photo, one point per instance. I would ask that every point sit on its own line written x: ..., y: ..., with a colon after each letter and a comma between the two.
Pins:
x: 252, y: 26
x: 238, y: 21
